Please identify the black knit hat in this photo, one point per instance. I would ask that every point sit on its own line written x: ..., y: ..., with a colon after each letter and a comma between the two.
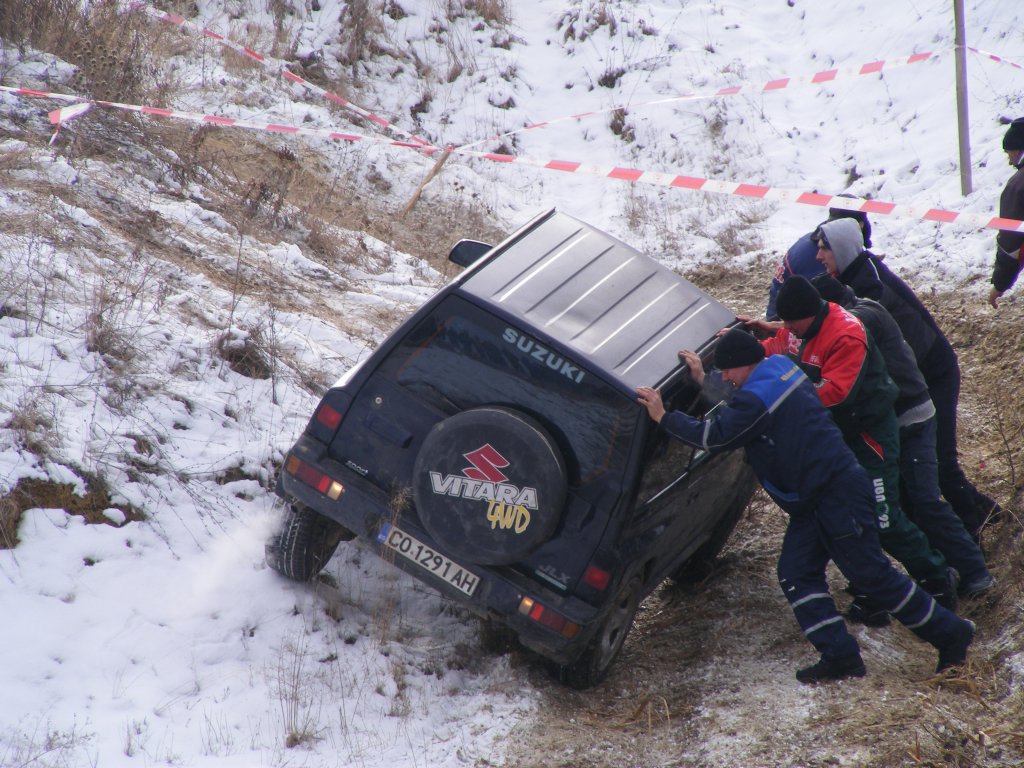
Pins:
x: 737, y: 349
x: 1014, y: 138
x: 832, y: 290
x: 797, y: 299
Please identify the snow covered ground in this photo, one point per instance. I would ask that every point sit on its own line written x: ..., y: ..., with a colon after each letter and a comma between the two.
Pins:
x: 152, y: 344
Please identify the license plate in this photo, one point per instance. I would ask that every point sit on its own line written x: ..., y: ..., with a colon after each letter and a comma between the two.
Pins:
x: 425, y: 557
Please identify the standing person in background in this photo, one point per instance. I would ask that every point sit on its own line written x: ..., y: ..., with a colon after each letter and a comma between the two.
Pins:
x: 841, y: 250
x: 799, y: 456
x: 1010, y: 245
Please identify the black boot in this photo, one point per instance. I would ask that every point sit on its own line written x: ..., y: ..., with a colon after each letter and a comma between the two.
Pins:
x: 954, y: 652
x: 989, y: 512
x: 839, y: 668
x: 862, y: 611
x: 943, y: 590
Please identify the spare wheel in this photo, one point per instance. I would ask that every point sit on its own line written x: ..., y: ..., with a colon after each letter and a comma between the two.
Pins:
x: 489, y: 485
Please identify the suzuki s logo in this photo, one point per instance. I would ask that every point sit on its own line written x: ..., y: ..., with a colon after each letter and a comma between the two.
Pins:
x: 487, y: 465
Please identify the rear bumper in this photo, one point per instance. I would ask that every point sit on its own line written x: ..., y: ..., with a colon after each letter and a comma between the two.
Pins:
x: 365, y: 510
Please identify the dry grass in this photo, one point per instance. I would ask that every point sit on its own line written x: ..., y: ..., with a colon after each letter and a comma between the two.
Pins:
x: 115, y: 51
x: 33, y: 493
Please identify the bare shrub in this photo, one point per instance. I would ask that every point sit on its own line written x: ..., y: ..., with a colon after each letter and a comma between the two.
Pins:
x: 494, y: 12
x: 296, y: 693
x: 245, y: 353
x: 359, y: 25
x: 620, y: 127
x: 580, y: 23
x: 33, y: 424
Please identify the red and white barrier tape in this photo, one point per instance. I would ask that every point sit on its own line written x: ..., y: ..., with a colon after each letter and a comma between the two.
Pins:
x: 770, y: 86
x: 182, y: 22
x: 676, y: 181
x: 756, y: 191
x: 60, y: 116
x: 995, y: 57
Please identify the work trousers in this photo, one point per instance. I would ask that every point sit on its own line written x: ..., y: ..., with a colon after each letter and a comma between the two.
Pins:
x: 922, y: 501
x: 842, y: 529
x: 877, y: 449
x: 970, y: 504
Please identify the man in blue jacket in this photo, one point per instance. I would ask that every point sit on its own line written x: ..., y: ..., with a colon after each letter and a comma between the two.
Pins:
x: 800, y: 458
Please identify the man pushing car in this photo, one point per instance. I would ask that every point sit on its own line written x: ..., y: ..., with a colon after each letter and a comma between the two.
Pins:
x: 802, y: 461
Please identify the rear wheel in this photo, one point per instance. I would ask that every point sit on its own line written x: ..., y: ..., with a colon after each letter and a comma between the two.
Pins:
x: 593, y: 665
x: 304, y: 543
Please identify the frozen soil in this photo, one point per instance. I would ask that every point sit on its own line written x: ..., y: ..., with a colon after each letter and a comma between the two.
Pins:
x: 706, y: 677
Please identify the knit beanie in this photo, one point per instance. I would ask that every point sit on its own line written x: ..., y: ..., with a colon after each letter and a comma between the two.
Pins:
x: 737, y: 349
x: 832, y: 290
x: 1014, y: 138
x: 797, y: 299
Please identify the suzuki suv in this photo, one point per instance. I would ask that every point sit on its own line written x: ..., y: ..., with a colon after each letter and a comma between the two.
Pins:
x: 493, y: 446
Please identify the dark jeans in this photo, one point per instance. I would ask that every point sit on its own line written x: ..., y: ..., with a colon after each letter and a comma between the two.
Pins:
x: 842, y: 529
x: 923, y: 502
x: 967, y: 501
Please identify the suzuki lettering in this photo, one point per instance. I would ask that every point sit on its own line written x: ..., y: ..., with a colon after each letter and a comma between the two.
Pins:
x: 551, y: 359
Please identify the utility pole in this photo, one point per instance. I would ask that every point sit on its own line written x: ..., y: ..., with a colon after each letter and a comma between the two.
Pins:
x: 963, y: 126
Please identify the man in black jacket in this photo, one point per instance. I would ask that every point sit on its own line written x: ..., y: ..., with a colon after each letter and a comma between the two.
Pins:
x: 1010, y: 244
x: 841, y: 250
x: 920, y: 496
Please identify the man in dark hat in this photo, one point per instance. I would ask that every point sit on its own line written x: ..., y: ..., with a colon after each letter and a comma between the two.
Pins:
x: 1010, y: 244
x: 800, y: 457
x: 848, y: 372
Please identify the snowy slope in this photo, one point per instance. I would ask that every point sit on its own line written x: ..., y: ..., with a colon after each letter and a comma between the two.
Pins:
x: 159, y: 636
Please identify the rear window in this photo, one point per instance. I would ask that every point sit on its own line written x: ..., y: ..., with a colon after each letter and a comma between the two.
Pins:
x: 460, y: 357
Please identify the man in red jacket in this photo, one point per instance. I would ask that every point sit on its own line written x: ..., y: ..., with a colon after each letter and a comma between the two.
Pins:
x: 1009, y: 244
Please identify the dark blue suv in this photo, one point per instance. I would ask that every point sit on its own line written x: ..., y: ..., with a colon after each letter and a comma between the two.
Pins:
x: 493, y: 447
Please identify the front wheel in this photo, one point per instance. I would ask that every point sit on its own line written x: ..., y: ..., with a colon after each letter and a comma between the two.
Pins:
x: 304, y: 543
x: 594, y: 663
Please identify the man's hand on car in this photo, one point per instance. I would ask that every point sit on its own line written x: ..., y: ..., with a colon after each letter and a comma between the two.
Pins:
x: 692, y: 360
x: 651, y: 400
x: 767, y: 327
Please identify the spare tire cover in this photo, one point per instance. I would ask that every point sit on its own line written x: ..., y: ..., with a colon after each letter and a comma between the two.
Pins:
x: 489, y: 485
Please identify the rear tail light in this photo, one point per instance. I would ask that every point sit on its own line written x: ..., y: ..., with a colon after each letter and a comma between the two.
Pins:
x: 314, y: 478
x: 328, y: 416
x: 596, y: 577
x: 548, y: 618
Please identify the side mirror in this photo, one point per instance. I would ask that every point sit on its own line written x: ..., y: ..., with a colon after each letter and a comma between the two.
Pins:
x: 467, y: 252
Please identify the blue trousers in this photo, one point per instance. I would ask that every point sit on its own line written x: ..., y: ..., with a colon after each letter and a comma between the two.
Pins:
x: 922, y: 501
x: 842, y: 529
